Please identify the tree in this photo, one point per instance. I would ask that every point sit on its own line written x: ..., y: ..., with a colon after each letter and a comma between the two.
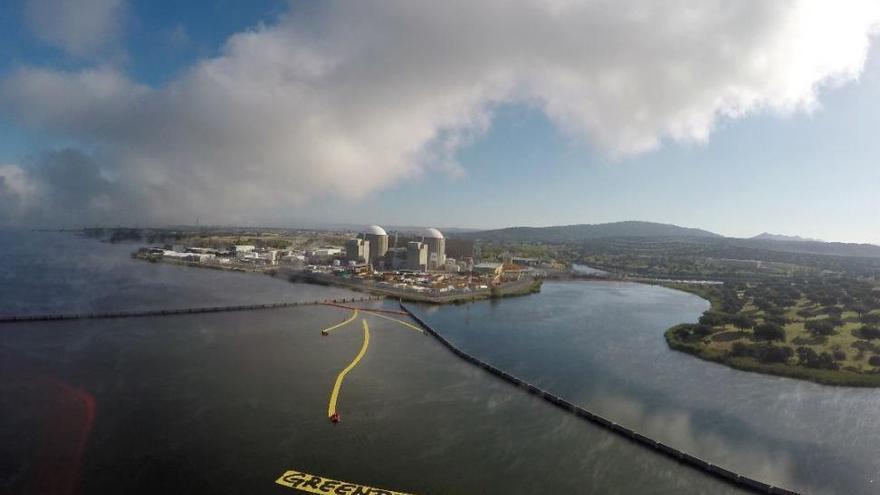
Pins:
x: 774, y: 354
x: 820, y: 327
x: 868, y: 332
x: 769, y: 332
x: 874, y: 361
x: 693, y: 332
x: 741, y: 321
x: 811, y: 359
x: 833, y: 311
x: 777, y: 319
x: 713, y: 319
x: 806, y: 313
x: 870, y: 318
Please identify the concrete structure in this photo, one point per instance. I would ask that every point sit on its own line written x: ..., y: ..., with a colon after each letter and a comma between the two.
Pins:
x: 489, y: 268
x: 417, y: 256
x: 325, y: 251
x: 378, y: 244
x: 241, y: 250
x: 395, y: 258
x: 357, y: 251
x: 452, y: 266
x: 436, y: 249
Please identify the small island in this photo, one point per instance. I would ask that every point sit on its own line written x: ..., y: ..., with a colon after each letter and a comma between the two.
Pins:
x: 822, y: 329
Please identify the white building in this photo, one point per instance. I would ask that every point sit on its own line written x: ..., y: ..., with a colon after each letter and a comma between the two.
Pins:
x: 417, y: 256
x: 436, y: 249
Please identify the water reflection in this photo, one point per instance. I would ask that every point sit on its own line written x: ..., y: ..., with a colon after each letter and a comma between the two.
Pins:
x: 600, y: 344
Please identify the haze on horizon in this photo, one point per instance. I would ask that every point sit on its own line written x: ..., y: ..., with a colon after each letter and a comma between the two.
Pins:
x: 734, y: 117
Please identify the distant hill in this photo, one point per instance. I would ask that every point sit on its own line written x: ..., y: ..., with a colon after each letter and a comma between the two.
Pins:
x: 812, y: 247
x: 766, y: 236
x: 650, y: 231
x: 582, y: 232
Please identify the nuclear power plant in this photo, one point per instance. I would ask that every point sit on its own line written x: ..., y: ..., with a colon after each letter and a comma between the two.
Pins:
x: 377, y: 239
x: 436, y: 249
x: 419, y: 253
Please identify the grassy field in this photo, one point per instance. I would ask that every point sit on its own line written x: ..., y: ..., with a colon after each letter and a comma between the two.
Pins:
x: 841, y: 357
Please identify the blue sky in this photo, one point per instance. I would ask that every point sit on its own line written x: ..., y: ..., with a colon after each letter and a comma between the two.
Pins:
x: 815, y: 175
x: 811, y: 173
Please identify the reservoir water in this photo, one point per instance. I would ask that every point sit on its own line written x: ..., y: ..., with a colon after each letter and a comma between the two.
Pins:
x: 600, y: 345
x: 224, y: 403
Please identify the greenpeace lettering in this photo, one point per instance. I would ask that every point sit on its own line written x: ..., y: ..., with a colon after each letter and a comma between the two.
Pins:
x: 311, y: 483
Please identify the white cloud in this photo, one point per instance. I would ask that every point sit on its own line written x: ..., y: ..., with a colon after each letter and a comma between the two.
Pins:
x: 17, y: 190
x: 360, y: 95
x: 79, y: 27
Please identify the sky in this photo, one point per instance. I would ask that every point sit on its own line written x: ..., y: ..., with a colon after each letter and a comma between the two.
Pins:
x: 736, y: 117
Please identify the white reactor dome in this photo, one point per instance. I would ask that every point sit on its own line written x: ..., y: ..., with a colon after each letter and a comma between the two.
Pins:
x: 375, y: 230
x: 433, y: 234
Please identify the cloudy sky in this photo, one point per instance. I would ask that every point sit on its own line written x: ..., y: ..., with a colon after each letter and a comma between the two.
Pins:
x: 735, y: 116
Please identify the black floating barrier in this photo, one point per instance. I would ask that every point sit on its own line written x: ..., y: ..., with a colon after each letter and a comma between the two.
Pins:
x: 690, y: 460
x: 154, y: 312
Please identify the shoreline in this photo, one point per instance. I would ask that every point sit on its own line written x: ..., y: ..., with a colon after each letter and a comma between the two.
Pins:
x: 747, y: 483
x: 507, y: 289
x: 827, y: 377
x: 510, y: 289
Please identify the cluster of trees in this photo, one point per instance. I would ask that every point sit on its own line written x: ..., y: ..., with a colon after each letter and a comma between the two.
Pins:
x: 867, y: 332
x: 806, y: 356
x: 812, y: 359
x: 770, y: 331
x: 763, y: 353
x: 773, y: 294
x: 822, y: 327
x: 719, y: 318
x: 850, y: 293
x: 693, y: 332
x: 730, y: 300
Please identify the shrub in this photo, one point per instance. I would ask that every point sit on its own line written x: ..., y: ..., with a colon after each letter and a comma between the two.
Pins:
x: 740, y: 349
x: 874, y: 361
x: 701, y: 330
x: 693, y: 332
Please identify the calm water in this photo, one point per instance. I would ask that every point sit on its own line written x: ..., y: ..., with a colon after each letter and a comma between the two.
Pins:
x: 60, y: 272
x: 589, y: 270
x: 601, y: 345
x: 224, y: 403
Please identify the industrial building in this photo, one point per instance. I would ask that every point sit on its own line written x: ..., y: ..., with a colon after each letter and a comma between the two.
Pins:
x: 489, y: 268
x: 436, y: 249
x: 417, y: 256
x: 357, y: 251
x: 378, y: 240
x: 421, y: 253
